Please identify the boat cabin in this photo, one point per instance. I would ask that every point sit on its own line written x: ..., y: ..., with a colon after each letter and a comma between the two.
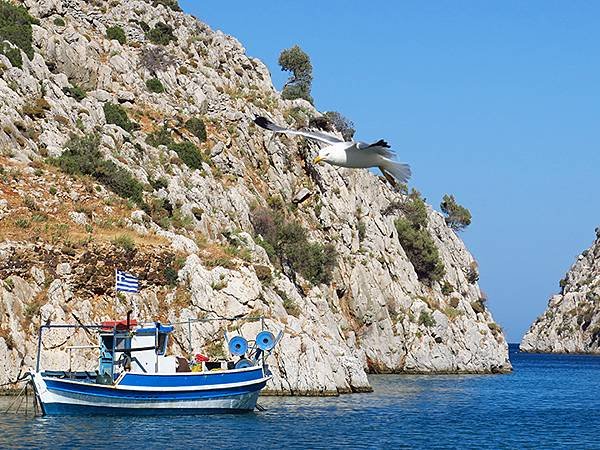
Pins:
x: 139, y: 350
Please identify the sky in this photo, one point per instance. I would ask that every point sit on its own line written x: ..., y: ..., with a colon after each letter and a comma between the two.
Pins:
x: 497, y: 103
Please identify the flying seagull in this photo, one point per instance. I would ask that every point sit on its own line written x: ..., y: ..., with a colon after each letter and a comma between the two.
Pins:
x: 352, y: 154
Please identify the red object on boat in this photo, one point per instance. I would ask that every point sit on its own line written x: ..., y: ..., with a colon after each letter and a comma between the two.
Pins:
x: 119, y: 324
x: 200, y: 358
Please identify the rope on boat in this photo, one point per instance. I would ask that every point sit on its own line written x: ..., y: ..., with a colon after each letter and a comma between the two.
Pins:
x: 23, y: 398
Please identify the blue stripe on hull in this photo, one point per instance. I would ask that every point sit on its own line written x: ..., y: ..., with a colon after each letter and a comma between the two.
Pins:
x: 64, y: 409
x: 92, y: 390
x: 193, y: 379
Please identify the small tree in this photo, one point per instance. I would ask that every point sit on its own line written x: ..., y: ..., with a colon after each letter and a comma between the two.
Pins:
x: 457, y: 217
x: 296, y: 61
x: 342, y: 124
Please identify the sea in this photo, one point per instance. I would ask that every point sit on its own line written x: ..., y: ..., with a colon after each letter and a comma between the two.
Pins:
x: 548, y: 401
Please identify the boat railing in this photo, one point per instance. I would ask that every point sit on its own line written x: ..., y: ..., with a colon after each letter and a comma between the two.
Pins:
x: 98, y: 327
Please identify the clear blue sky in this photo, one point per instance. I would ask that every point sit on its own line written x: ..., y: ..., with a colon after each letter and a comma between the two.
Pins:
x: 497, y: 103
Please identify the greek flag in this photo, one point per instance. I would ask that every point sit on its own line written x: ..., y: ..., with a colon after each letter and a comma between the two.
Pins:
x: 126, y: 282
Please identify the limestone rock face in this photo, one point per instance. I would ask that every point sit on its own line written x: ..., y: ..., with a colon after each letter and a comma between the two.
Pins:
x: 571, y: 322
x: 192, y: 242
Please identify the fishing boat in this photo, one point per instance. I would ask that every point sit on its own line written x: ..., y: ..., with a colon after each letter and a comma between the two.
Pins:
x: 136, y: 376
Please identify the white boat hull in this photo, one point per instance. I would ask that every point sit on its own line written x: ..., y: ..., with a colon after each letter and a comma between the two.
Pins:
x: 62, y: 397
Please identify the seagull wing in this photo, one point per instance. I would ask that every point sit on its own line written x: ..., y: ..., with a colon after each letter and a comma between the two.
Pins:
x: 265, y: 123
x: 380, y: 147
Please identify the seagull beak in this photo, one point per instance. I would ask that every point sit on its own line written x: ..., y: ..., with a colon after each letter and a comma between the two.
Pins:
x: 317, y: 160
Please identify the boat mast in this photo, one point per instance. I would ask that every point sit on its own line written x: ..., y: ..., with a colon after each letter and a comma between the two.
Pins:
x: 39, y: 349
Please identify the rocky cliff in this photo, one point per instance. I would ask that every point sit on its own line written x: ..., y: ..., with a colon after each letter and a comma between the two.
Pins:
x: 103, y: 168
x: 571, y: 322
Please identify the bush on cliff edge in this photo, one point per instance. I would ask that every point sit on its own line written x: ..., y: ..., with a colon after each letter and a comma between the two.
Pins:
x: 416, y: 241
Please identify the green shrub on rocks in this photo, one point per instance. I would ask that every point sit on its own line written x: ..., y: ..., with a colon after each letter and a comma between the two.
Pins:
x: 82, y: 156
x: 116, y: 33
x: 362, y: 230
x: 186, y: 150
x: 291, y: 307
x: 161, y: 136
x: 171, y: 276
x: 451, y: 312
x: 416, y: 241
x: 155, y: 85
x: 478, y: 306
x: 495, y: 328
x: 562, y: 284
x: 116, y: 114
x: 172, y: 4
x: 15, y: 27
x: 425, y: 318
x: 161, y: 34
x: 189, y: 154
x: 447, y: 288
x: 159, y: 183
x: 286, y: 242
x: 13, y: 55
x: 21, y: 222
x: 143, y: 25
x: 197, y: 128
x: 214, y: 349
x: 59, y: 22
x: 473, y: 272
x: 75, y: 91
x: 32, y: 309
x: 160, y: 210
x: 414, y: 209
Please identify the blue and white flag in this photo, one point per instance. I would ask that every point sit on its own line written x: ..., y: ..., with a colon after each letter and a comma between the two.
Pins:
x: 126, y: 282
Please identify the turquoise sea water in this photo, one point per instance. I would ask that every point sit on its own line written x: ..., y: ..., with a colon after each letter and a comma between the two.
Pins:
x: 549, y: 401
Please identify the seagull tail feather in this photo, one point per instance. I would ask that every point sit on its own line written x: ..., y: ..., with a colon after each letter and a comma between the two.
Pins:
x: 400, y: 171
